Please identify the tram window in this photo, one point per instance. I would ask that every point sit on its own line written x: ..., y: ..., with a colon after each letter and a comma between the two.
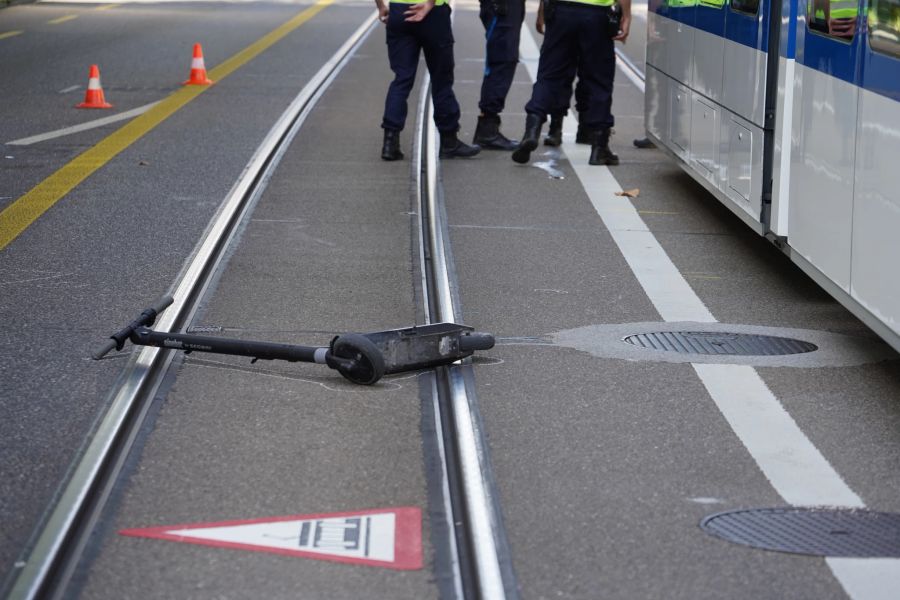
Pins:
x: 834, y: 18
x: 884, y: 26
x: 745, y: 6
x: 712, y: 3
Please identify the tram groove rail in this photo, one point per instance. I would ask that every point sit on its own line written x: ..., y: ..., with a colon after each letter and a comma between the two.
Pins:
x: 483, y: 540
x: 57, y: 549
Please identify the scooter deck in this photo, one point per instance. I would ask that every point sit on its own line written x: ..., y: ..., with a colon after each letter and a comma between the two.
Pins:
x: 424, y: 346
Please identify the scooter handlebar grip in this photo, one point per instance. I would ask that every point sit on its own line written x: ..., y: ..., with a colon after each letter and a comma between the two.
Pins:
x: 101, y: 352
x: 475, y: 340
x: 163, y: 303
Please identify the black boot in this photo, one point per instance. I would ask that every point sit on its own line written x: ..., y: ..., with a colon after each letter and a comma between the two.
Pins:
x: 644, y: 143
x: 453, y: 147
x: 533, y: 124
x: 554, y: 132
x: 390, y: 149
x: 584, y: 135
x: 488, y: 136
x: 600, y: 152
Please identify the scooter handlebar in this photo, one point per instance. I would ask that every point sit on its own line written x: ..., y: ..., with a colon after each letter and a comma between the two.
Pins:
x: 470, y: 341
x: 109, y: 346
x: 147, y: 317
x: 162, y: 304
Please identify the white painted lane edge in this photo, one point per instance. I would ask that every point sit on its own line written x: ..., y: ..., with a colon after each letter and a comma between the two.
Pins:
x: 794, y: 466
x: 669, y: 292
x: 868, y: 578
x: 43, y: 137
x: 630, y: 70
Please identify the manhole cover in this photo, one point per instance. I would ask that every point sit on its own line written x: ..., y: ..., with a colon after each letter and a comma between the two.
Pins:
x: 720, y: 343
x: 816, y: 531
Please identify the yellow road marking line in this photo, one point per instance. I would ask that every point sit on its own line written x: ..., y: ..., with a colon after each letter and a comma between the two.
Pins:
x: 62, y: 19
x: 107, y: 6
x: 19, y: 215
x: 9, y: 34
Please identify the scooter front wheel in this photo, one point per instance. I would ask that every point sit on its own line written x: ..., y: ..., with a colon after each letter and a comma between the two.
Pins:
x: 366, y: 364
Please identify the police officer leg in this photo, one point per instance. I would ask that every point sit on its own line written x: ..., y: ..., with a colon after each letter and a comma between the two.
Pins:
x: 502, y: 20
x: 598, y: 69
x: 583, y: 135
x: 558, y: 54
x: 554, y: 130
x: 403, y: 56
x: 436, y: 38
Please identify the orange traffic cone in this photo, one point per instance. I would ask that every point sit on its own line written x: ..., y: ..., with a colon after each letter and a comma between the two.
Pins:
x: 93, y: 98
x: 198, y: 69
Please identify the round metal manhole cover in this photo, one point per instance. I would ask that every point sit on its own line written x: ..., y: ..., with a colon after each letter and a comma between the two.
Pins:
x: 720, y: 343
x: 815, y: 531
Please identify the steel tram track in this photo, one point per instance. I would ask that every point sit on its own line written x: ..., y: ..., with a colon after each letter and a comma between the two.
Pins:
x: 64, y: 532
x: 481, y: 568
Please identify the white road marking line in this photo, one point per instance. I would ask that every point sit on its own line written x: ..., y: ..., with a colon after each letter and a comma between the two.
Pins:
x: 794, y: 466
x: 82, y: 127
x: 629, y: 69
x: 869, y: 578
x: 667, y: 289
x: 71, y: 88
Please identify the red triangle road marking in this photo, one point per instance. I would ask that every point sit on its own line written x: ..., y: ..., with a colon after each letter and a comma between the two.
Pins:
x: 379, y: 537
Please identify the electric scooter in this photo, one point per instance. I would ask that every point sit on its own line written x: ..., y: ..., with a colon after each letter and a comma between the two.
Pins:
x: 362, y: 358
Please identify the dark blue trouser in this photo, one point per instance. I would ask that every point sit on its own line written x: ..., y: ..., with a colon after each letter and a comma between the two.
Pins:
x: 576, y: 40
x: 434, y: 37
x: 501, y: 53
x: 581, y: 99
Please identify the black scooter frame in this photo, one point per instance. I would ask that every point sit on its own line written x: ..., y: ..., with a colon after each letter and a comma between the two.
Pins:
x: 362, y: 358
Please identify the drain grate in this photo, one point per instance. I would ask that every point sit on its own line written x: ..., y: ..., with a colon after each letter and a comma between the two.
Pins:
x: 815, y: 531
x: 720, y: 343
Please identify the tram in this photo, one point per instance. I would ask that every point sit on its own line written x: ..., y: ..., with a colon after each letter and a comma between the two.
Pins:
x: 788, y: 112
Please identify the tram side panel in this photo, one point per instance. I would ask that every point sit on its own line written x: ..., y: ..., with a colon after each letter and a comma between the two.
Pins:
x: 845, y: 206
x: 834, y: 176
x: 824, y: 150
x: 875, y: 275
x: 875, y: 280
x: 779, y: 222
x: 705, y: 95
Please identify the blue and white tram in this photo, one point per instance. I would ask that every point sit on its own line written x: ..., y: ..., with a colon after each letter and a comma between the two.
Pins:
x: 788, y: 111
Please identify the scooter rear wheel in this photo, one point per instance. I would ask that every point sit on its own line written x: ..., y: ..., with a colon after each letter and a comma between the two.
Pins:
x: 368, y: 363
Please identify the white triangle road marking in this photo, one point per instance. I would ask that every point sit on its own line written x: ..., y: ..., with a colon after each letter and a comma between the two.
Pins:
x: 386, y: 537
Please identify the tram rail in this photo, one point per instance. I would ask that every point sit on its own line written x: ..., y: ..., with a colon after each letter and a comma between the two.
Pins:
x: 481, y: 567
x: 485, y: 571
x: 64, y: 533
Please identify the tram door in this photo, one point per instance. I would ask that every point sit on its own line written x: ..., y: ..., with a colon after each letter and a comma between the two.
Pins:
x: 823, y: 148
x: 875, y: 276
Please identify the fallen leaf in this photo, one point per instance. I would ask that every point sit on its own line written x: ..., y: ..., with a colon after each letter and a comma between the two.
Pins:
x: 630, y: 193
